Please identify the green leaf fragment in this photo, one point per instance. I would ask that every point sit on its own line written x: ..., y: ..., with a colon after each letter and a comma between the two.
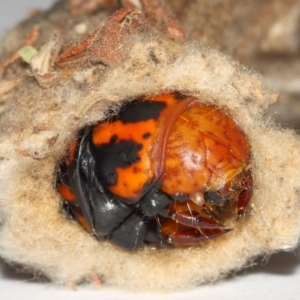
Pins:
x: 27, y: 53
x: 2, y: 109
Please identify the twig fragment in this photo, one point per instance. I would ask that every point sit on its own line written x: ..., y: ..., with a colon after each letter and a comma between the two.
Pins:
x: 30, y: 40
x: 42, y: 64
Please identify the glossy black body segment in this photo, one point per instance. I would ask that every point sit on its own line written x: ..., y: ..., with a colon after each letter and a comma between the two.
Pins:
x: 136, y: 111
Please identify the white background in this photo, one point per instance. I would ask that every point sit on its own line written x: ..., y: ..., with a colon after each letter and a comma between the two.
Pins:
x: 278, y: 279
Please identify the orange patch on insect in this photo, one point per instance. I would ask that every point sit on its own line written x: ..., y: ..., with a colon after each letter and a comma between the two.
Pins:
x: 79, y: 216
x: 66, y: 193
x: 132, y: 179
x: 169, y: 99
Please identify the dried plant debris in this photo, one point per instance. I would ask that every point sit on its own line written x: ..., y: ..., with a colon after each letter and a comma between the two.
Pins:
x: 79, y: 78
x: 29, y: 41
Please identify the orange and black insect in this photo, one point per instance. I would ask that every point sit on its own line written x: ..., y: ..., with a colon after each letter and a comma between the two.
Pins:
x: 160, y: 172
